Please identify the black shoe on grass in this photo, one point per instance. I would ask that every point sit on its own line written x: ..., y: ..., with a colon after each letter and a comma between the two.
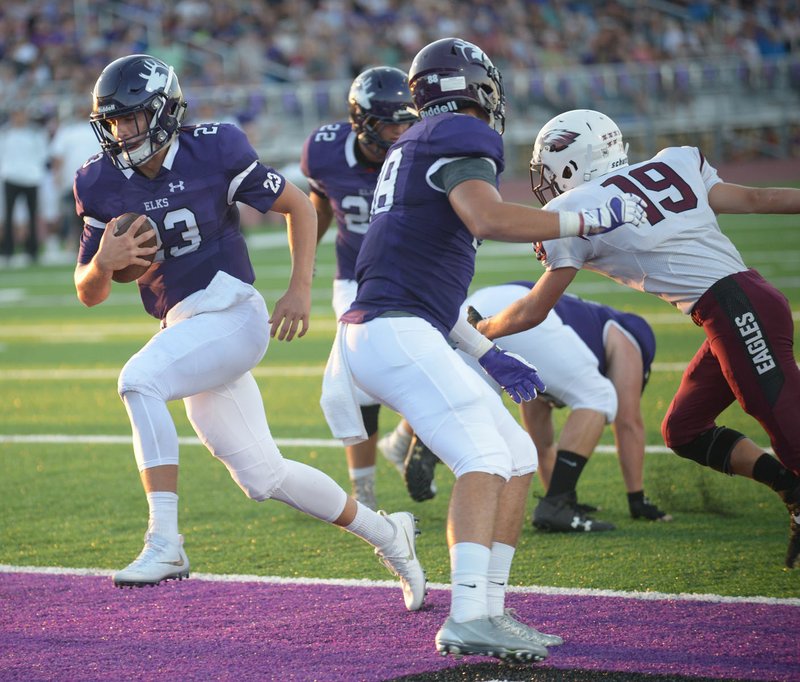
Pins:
x: 420, y: 465
x: 645, y: 509
x: 560, y: 514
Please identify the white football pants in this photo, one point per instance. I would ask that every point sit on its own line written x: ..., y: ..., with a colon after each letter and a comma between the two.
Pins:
x: 204, y: 355
x: 565, y: 363
x: 409, y: 366
x: 344, y: 293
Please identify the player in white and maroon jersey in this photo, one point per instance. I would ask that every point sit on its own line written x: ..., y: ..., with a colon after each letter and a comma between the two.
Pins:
x: 214, y: 324
x: 683, y: 257
x: 341, y: 161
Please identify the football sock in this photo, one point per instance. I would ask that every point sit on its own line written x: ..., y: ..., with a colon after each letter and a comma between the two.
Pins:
x: 362, y: 472
x: 469, y: 566
x: 499, y: 569
x: 163, y: 519
x: 375, y: 528
x: 771, y: 472
x: 633, y: 498
x: 566, y: 471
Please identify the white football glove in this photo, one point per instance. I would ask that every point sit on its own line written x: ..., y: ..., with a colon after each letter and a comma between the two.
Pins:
x: 619, y: 210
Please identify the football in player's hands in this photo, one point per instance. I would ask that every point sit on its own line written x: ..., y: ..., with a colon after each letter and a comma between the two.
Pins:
x: 134, y: 271
x: 473, y: 316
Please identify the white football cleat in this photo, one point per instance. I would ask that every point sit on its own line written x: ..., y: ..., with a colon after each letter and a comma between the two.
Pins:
x: 364, y: 491
x: 400, y: 557
x: 159, y: 560
x: 394, y: 447
x: 484, y: 637
x: 509, y: 622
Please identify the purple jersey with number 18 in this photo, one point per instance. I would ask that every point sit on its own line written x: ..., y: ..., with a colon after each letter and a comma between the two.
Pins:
x: 191, y: 202
x: 418, y: 257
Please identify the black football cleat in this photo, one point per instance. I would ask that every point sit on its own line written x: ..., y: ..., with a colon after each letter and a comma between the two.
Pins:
x: 560, y: 514
x: 645, y: 509
x: 420, y: 465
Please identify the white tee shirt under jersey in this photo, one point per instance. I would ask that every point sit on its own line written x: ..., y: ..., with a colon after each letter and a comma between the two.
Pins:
x: 677, y: 257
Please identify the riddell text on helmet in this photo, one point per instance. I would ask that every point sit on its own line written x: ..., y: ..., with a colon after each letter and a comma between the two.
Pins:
x: 439, y: 109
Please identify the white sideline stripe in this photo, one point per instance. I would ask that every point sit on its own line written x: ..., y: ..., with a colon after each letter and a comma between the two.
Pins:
x: 63, y: 439
x: 113, y: 373
x: 72, y: 332
x: 532, y: 589
x: 276, y: 371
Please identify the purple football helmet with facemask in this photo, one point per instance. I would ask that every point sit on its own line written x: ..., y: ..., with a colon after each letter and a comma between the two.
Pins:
x: 451, y: 73
x: 137, y: 83
x: 379, y: 95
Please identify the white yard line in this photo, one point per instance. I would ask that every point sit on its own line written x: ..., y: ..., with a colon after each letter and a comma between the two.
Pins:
x: 276, y: 371
x: 532, y: 589
x: 110, y: 439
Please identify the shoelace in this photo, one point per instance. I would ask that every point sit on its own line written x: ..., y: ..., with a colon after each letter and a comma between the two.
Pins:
x: 505, y: 622
x: 509, y: 622
x: 151, y: 548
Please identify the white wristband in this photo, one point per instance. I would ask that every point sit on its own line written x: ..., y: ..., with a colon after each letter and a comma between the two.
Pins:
x: 570, y: 224
x: 469, y: 339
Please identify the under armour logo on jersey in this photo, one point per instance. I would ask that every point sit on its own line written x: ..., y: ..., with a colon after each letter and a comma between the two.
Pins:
x: 558, y: 140
x: 155, y: 79
x: 176, y: 186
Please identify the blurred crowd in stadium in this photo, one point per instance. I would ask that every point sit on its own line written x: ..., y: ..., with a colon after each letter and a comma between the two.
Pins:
x: 52, y: 50
x: 42, y: 41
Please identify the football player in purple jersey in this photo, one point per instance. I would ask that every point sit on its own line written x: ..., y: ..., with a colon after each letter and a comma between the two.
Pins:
x: 341, y: 161
x: 682, y: 256
x: 435, y: 200
x: 595, y: 360
x: 215, y: 326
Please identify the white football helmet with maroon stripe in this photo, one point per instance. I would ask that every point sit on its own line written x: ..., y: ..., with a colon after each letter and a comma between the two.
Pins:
x: 572, y: 148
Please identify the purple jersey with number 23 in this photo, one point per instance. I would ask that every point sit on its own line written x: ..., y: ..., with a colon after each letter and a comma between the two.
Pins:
x: 191, y: 202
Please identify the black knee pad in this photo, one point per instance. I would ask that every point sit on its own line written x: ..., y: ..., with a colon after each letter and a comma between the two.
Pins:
x: 712, y: 448
x: 369, y: 413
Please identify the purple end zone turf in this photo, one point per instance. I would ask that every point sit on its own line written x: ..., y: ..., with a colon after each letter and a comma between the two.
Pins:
x: 56, y: 627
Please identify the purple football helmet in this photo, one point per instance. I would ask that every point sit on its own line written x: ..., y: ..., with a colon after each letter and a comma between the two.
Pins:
x: 452, y: 73
x: 127, y: 86
x: 379, y: 95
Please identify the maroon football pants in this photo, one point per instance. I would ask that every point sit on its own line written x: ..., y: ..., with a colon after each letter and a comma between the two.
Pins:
x: 747, y: 356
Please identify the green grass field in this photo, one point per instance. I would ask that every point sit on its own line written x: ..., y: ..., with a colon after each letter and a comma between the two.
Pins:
x: 76, y: 503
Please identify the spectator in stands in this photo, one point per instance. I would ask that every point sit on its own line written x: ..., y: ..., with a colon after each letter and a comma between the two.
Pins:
x: 23, y: 164
x: 72, y: 145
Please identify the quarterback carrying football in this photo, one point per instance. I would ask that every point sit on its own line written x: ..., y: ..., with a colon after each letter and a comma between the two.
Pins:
x: 214, y: 324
